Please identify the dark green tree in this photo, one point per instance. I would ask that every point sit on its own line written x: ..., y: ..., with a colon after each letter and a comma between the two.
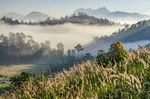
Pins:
x: 79, y: 48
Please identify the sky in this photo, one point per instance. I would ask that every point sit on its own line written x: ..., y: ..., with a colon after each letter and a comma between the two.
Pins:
x: 58, y: 8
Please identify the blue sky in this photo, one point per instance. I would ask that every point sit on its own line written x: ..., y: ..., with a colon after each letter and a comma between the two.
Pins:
x: 58, y: 8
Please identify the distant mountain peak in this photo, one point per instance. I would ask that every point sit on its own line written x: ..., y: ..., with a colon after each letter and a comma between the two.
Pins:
x: 32, y: 16
x: 102, y: 11
x: 102, y: 8
x: 36, y: 12
x: 118, y: 16
x: 13, y: 15
x: 36, y: 16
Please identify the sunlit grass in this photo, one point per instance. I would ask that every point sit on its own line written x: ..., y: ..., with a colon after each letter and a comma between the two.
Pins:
x: 4, y: 82
x: 90, y: 80
x: 11, y: 70
x: 17, y: 69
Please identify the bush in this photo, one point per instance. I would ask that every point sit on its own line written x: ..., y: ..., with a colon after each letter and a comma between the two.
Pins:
x: 102, y: 57
x: 17, y: 81
x: 116, y: 53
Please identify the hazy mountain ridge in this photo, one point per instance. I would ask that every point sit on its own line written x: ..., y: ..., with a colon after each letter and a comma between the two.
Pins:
x: 33, y: 16
x: 13, y: 15
x: 100, y: 12
x: 116, y: 15
x: 36, y: 16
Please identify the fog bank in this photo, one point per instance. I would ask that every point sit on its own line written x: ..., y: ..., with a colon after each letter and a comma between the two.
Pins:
x: 68, y: 34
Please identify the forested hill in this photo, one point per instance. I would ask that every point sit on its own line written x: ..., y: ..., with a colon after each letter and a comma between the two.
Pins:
x: 81, y: 18
x: 136, y: 32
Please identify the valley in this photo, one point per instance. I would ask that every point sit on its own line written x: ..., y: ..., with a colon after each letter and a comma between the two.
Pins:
x: 74, y: 49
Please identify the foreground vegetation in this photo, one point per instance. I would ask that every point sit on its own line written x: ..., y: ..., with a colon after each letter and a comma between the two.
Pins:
x: 129, y: 78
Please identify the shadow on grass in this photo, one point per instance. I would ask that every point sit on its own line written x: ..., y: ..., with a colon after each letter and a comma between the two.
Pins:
x: 4, y: 84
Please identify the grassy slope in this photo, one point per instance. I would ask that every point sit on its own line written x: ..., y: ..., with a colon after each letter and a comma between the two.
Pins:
x: 128, y: 80
x: 8, y: 71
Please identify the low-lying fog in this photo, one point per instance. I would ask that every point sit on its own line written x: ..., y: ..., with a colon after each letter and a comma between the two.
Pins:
x: 68, y: 34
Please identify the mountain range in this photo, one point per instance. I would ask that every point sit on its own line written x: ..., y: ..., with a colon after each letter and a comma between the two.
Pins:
x: 113, y: 16
x: 117, y: 16
x: 33, y: 16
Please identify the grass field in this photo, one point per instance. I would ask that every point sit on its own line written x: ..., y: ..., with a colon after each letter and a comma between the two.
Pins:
x: 11, y: 70
x: 89, y: 80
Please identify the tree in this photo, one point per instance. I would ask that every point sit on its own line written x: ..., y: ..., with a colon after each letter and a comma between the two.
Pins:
x: 116, y: 54
x: 4, y: 40
x: 60, y: 49
x: 18, y: 81
x: 88, y: 56
x: 102, y: 58
x: 73, y: 53
x: 79, y: 48
x: 69, y: 52
x: 45, y: 47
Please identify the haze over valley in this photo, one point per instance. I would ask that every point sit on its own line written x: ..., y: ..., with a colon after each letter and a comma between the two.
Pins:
x: 74, y: 49
x: 69, y: 34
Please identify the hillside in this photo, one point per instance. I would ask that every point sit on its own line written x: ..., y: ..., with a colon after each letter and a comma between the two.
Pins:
x: 81, y: 18
x: 135, y: 32
x: 91, y: 80
x: 130, y: 34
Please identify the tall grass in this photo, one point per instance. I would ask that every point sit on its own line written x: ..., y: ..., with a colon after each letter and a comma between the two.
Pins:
x: 130, y: 79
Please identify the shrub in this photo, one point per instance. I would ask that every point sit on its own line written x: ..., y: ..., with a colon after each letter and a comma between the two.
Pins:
x: 17, y: 81
x: 116, y: 53
x: 102, y: 57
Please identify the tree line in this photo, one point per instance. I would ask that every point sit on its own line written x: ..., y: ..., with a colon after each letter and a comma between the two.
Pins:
x: 81, y: 18
x: 127, y: 33
x: 21, y: 48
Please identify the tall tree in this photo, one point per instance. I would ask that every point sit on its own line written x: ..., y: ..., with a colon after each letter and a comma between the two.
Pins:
x: 79, y: 48
x: 60, y: 48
